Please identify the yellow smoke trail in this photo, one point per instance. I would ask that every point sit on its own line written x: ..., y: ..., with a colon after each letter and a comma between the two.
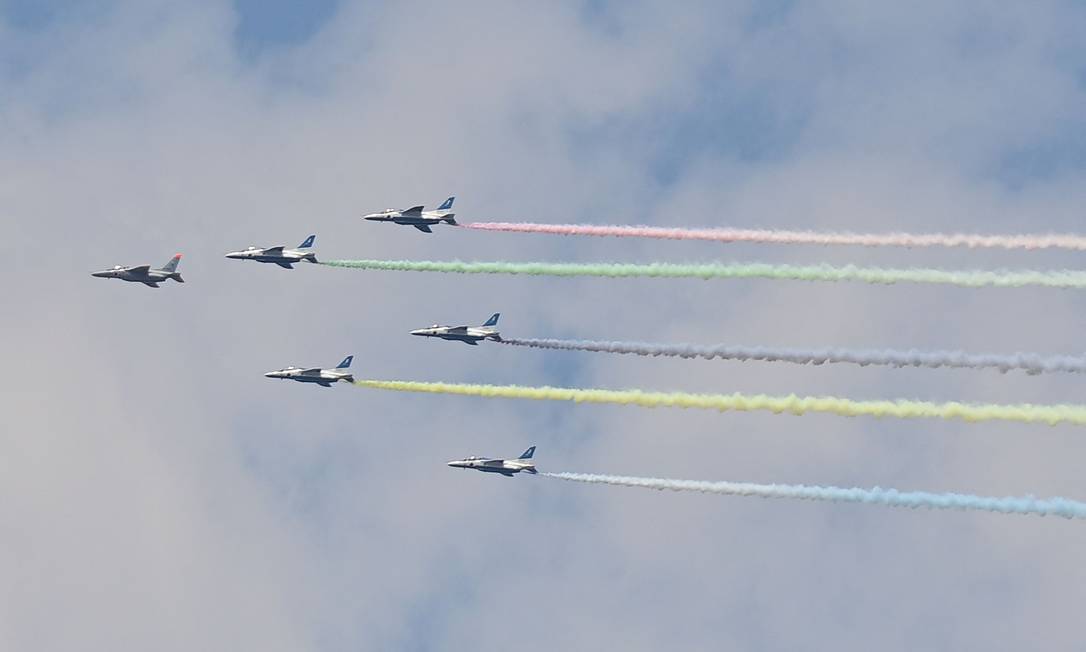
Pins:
x: 902, y: 409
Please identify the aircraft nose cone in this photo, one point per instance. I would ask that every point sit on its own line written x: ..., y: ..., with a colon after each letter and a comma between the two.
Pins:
x: 100, y: 274
x: 271, y: 374
x: 234, y: 254
x: 419, y: 332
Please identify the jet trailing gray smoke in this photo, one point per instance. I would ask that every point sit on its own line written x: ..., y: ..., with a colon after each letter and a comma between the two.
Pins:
x: 1031, y: 363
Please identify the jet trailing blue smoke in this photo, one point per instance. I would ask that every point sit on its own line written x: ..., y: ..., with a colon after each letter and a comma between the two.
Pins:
x: 889, y: 497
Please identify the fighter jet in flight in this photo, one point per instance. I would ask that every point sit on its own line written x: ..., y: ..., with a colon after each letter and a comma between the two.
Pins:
x: 143, y: 273
x: 281, y: 256
x: 466, y: 334
x: 505, y: 467
x: 323, y: 377
x: 416, y: 216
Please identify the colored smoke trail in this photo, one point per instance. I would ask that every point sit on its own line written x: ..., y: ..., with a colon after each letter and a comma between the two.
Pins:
x: 877, y: 496
x: 1031, y: 363
x: 1024, y: 413
x: 768, y: 236
x: 972, y: 279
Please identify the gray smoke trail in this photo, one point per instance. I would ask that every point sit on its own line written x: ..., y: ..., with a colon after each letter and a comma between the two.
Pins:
x: 1068, y: 279
x: 876, y: 496
x: 1031, y: 363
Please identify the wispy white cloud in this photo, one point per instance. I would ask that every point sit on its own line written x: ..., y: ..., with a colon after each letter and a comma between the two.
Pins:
x: 159, y: 493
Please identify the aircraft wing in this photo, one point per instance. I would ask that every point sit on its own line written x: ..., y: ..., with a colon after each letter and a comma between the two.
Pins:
x: 274, y: 250
x: 414, y: 210
x: 493, y: 462
x: 312, y: 372
x: 140, y: 269
x: 458, y: 329
x: 422, y: 227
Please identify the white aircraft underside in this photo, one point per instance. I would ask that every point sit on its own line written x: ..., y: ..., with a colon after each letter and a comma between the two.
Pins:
x: 466, y: 334
x: 143, y: 273
x: 322, y: 377
x: 416, y: 216
x: 505, y: 467
x: 278, y: 255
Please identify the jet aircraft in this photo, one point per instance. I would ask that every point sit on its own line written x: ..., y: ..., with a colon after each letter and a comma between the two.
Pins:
x: 466, y: 334
x: 505, y: 467
x: 144, y: 274
x: 416, y: 216
x: 281, y: 256
x: 322, y: 377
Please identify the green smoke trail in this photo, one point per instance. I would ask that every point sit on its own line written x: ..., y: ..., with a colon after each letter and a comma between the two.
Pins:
x: 902, y: 409
x: 878, y: 275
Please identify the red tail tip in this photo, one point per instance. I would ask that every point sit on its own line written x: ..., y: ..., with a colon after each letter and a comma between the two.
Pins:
x: 177, y: 255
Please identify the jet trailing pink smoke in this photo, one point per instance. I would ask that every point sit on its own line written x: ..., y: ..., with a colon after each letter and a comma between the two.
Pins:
x: 768, y: 236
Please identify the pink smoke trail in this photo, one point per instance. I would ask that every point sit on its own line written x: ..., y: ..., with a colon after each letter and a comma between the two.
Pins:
x: 767, y: 236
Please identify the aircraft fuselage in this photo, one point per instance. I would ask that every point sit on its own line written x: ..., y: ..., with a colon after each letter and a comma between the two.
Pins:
x: 150, y: 277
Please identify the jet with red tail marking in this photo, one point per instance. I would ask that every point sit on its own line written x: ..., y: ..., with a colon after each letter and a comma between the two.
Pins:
x: 143, y: 273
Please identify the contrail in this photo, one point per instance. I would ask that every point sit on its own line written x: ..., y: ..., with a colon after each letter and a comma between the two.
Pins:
x: 971, y: 279
x: 1024, y: 413
x: 877, y: 496
x: 1030, y: 363
x: 768, y: 236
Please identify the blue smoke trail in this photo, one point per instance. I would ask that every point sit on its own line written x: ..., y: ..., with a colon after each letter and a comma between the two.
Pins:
x: 877, y: 496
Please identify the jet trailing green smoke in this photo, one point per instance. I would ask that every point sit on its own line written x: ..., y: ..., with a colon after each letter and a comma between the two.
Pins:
x: 1067, y: 279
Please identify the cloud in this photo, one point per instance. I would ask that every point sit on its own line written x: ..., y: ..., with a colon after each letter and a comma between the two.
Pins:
x: 157, y: 492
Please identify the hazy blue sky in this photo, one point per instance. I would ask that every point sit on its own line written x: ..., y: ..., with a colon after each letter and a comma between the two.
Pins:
x: 157, y: 493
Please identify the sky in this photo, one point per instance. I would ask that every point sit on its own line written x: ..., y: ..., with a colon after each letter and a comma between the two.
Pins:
x: 156, y: 492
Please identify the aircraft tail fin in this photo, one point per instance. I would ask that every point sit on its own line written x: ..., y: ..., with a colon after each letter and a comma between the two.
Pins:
x: 177, y: 277
x: 346, y: 362
x: 527, y: 455
x: 308, y: 242
x: 448, y: 219
x: 447, y: 205
x: 493, y: 321
x: 172, y: 265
